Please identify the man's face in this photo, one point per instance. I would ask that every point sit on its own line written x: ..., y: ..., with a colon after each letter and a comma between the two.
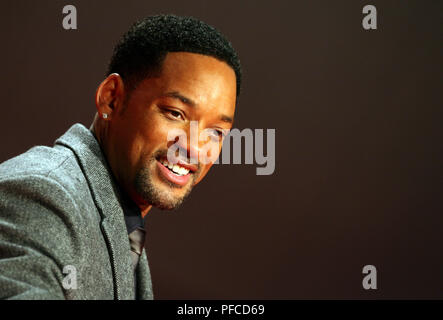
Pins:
x: 190, y: 87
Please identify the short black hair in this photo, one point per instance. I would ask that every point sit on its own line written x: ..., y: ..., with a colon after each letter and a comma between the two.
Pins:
x: 143, y: 48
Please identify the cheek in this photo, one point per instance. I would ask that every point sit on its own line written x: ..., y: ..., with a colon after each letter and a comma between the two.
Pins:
x: 153, y: 137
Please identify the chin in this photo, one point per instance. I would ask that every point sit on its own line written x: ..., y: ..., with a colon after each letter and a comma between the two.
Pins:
x: 159, y: 191
x: 162, y: 196
x: 167, y: 199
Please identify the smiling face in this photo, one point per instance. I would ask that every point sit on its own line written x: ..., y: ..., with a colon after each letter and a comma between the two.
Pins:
x: 190, y: 87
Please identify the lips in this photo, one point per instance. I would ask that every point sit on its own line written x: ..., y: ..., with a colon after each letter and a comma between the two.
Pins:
x: 178, y: 169
x: 178, y: 174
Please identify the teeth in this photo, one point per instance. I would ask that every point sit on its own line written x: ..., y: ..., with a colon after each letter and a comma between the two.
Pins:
x: 175, y: 168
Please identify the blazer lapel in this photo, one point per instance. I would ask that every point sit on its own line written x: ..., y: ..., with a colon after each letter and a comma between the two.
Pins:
x: 116, y: 235
x: 144, y: 282
x: 106, y: 197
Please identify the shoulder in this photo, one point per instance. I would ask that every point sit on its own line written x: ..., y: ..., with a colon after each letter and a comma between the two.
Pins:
x: 42, y: 184
x: 44, y: 169
x: 38, y: 202
x: 39, y: 160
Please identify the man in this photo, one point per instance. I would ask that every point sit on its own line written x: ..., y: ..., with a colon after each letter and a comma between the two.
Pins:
x: 71, y: 216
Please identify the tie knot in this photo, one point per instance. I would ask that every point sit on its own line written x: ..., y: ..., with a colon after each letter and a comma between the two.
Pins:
x: 137, y: 240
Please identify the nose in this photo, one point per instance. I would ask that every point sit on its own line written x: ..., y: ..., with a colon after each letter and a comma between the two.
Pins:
x: 194, y: 143
x: 189, y: 145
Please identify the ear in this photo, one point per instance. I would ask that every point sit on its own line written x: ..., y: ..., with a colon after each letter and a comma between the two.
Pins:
x: 109, y: 96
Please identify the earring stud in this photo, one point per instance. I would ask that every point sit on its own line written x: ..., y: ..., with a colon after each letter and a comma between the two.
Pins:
x: 105, y: 115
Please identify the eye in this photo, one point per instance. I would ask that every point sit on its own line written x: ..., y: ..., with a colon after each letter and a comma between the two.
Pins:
x: 175, y: 114
x: 217, y: 134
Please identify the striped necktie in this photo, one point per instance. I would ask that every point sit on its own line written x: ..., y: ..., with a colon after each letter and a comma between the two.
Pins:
x: 137, y: 241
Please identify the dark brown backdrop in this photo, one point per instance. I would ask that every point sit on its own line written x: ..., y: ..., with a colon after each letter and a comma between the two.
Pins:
x: 357, y: 114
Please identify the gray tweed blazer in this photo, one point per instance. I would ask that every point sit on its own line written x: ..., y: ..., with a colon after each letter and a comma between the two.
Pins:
x: 60, y: 209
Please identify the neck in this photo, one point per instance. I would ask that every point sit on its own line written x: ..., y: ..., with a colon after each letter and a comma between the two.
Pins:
x: 145, y: 210
x: 98, y: 129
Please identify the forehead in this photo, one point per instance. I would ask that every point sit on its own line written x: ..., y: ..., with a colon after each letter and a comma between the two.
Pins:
x: 203, y: 79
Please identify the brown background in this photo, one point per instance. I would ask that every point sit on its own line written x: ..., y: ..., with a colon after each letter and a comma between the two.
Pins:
x: 358, y: 119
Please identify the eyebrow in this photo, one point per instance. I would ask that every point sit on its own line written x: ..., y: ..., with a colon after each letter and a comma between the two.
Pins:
x: 191, y: 103
x: 182, y: 98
